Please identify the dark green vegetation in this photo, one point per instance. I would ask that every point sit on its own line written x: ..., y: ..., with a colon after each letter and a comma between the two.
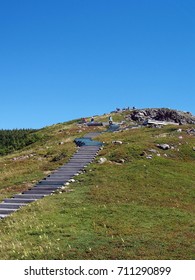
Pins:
x: 140, y: 209
x: 12, y: 140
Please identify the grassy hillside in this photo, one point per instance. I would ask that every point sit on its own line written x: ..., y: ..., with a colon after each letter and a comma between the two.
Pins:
x: 139, y: 204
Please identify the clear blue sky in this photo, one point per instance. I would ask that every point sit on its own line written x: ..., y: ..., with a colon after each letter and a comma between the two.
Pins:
x: 65, y: 59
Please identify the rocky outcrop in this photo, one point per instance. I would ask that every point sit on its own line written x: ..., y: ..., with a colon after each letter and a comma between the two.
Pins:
x: 162, y: 114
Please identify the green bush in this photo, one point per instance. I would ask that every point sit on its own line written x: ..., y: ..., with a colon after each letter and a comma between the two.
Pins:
x: 12, y: 140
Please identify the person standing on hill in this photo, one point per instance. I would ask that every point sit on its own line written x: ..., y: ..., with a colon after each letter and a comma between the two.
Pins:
x: 110, y: 120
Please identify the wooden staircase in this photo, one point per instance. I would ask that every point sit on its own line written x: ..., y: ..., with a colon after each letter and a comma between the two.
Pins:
x: 87, y: 151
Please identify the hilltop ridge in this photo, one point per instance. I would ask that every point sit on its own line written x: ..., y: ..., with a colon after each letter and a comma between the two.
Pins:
x: 159, y: 114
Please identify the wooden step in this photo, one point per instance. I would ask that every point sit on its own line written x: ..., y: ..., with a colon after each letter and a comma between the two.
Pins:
x: 46, y: 187
x: 7, y: 211
x: 29, y: 196
x: 38, y: 191
x: 11, y: 205
x: 52, y: 183
x: 20, y: 200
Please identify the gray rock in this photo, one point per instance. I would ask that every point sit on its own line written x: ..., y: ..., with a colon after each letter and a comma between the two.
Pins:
x: 191, y: 131
x: 121, y: 160
x: 102, y: 160
x: 152, y: 151
x: 117, y: 142
x: 163, y: 146
x: 149, y: 157
x: 72, y: 180
x: 162, y: 114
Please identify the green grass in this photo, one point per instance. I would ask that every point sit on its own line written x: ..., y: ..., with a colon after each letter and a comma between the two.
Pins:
x: 142, y: 209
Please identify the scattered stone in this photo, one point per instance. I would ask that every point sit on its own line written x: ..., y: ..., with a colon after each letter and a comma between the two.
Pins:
x: 191, y: 131
x: 61, y: 143
x: 180, y: 137
x: 72, y: 180
x: 117, y: 142
x: 163, y: 146
x: 149, y: 157
x: 102, y: 160
x: 193, y: 148
x: 23, y: 157
x: 179, y: 130
x: 152, y: 151
x: 143, y: 154
x: 121, y: 160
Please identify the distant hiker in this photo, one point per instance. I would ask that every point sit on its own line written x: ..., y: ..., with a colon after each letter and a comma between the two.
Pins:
x: 92, y: 119
x: 110, y: 120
